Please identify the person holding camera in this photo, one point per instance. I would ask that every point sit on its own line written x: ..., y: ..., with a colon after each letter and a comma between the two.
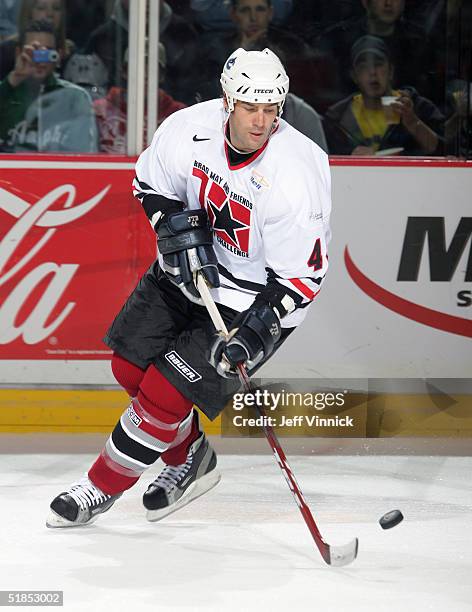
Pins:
x: 52, y: 11
x: 38, y: 111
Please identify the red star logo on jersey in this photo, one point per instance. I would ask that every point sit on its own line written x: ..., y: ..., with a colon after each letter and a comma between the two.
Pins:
x: 231, y: 220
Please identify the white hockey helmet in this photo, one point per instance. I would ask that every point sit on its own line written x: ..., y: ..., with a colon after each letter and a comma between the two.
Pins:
x: 254, y: 76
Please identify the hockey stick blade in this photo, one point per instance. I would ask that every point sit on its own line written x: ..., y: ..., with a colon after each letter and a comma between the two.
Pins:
x: 336, y: 556
x: 343, y: 555
x: 332, y: 555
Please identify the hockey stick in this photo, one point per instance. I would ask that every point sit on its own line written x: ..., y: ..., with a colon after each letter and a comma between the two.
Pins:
x: 333, y: 555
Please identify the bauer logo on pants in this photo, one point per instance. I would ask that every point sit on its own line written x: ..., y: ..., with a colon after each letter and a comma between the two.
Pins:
x: 182, y: 366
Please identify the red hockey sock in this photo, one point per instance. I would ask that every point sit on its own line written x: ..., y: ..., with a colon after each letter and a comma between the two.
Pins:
x: 145, y: 430
x: 176, y: 455
x: 128, y: 375
x: 109, y: 476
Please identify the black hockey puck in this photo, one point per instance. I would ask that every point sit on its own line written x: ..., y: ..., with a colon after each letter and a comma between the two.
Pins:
x: 390, y: 519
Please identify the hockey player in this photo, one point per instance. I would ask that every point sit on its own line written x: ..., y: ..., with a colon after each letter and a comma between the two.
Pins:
x: 236, y: 194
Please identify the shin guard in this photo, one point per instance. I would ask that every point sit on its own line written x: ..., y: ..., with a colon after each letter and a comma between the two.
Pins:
x: 145, y: 430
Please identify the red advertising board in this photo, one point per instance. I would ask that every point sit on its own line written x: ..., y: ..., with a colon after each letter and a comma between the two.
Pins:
x: 73, y: 244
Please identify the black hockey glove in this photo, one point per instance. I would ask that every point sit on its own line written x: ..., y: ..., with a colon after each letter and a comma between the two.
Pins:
x: 252, y: 338
x: 185, y: 242
x: 277, y: 296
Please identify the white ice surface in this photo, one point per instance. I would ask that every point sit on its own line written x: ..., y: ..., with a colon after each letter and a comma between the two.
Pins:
x: 244, y: 545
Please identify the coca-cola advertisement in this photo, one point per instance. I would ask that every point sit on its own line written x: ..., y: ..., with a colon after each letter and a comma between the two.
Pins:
x: 73, y: 244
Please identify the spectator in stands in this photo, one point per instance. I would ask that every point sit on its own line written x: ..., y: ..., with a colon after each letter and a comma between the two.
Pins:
x: 408, y: 45
x: 215, y: 16
x: 8, y: 18
x: 52, y: 11
x: 38, y: 111
x: 181, y: 42
x: 305, y: 119
x: 111, y: 112
x: 254, y: 32
x: 89, y: 72
x: 110, y: 42
x: 362, y: 124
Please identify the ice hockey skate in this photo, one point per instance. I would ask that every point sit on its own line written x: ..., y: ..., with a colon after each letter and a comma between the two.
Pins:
x: 80, y: 505
x: 178, y: 485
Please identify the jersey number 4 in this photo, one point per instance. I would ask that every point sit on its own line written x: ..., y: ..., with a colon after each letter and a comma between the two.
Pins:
x: 316, y: 259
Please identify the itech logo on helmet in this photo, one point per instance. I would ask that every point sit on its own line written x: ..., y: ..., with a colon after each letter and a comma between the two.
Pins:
x: 230, y: 63
x: 263, y: 91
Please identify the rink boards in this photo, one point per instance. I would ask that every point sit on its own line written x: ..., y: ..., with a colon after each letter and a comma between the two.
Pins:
x: 396, y: 305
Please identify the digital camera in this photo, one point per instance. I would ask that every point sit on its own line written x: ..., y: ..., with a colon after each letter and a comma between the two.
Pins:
x: 45, y: 56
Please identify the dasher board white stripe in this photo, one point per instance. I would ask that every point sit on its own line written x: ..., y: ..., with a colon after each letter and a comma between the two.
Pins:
x: 65, y: 165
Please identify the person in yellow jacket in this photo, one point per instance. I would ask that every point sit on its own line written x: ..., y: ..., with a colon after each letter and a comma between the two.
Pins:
x: 377, y: 117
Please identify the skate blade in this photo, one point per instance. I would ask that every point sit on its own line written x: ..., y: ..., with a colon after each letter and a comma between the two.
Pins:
x: 55, y: 521
x: 196, y: 489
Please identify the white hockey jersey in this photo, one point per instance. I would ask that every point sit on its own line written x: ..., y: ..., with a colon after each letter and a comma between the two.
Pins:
x: 270, y: 214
